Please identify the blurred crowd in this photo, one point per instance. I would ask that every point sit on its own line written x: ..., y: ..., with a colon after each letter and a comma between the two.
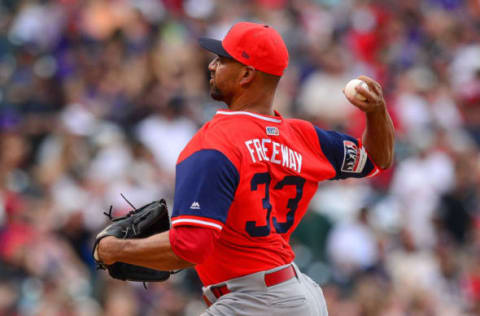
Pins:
x: 98, y: 97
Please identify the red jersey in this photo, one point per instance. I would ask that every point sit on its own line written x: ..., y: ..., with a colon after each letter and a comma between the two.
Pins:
x: 251, y: 177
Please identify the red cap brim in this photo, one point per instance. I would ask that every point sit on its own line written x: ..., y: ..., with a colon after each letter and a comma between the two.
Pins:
x: 213, y: 45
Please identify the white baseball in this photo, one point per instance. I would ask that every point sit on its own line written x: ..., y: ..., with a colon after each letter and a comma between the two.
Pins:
x: 352, y: 93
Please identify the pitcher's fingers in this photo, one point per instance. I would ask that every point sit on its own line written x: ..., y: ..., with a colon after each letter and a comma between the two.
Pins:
x: 362, y: 105
x: 372, y: 84
x: 367, y: 94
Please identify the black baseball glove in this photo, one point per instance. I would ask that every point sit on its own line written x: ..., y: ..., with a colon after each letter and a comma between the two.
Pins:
x: 148, y: 220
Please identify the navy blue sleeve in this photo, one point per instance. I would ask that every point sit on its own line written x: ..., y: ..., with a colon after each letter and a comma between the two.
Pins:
x: 344, y: 153
x: 205, y: 186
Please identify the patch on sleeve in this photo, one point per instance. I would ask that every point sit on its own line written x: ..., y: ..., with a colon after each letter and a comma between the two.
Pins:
x: 354, y: 158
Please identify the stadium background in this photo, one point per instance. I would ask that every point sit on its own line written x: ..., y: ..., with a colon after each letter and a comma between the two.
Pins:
x: 97, y: 98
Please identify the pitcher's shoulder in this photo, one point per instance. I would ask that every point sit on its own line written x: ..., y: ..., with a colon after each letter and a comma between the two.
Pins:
x: 296, y: 122
x: 215, y: 135
x: 302, y: 127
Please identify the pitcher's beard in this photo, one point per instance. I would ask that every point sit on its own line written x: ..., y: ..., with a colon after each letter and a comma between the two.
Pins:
x: 216, y: 94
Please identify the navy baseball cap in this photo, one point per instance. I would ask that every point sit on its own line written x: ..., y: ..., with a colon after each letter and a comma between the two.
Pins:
x: 213, y: 45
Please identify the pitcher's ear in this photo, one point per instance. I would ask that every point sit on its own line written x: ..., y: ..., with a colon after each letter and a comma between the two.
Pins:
x: 248, y: 74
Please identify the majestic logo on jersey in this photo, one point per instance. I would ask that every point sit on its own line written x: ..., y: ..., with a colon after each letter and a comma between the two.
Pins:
x: 267, y: 150
x: 195, y: 206
x: 273, y: 131
x: 354, y: 158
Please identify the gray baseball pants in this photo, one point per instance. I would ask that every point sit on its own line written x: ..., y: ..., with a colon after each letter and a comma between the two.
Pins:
x: 249, y: 295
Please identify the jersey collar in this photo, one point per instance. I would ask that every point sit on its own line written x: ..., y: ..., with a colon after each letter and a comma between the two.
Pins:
x: 277, y: 118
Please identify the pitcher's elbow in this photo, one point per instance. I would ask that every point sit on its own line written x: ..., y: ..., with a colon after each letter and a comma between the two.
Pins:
x: 388, y: 162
